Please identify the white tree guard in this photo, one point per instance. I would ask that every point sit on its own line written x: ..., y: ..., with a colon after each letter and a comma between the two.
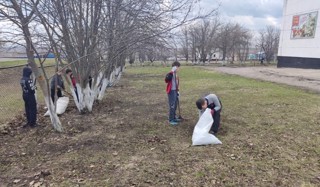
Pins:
x: 117, y: 75
x: 53, y: 115
x: 81, y: 105
x: 98, y: 86
x: 74, y: 95
x: 102, y: 91
x: 112, y: 78
x: 88, y: 97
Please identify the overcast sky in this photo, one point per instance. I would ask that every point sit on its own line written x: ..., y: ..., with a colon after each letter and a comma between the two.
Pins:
x: 253, y: 14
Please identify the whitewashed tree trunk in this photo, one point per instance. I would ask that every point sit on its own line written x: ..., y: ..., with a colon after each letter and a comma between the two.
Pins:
x: 88, y: 97
x: 105, y: 83
x: 53, y: 115
x: 74, y: 95
x: 81, y: 106
x: 97, y: 86
x: 117, y: 75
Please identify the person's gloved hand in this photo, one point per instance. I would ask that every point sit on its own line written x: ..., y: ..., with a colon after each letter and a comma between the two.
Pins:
x: 212, y: 111
x: 174, y: 69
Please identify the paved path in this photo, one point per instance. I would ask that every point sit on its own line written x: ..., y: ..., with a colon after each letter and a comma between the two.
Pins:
x: 303, y: 78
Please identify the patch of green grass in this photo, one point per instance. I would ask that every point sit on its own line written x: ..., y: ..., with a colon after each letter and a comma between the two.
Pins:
x: 200, y: 174
x: 23, y: 62
x: 12, y: 63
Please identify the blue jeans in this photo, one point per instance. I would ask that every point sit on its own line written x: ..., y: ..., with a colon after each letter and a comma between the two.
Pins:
x: 172, y: 96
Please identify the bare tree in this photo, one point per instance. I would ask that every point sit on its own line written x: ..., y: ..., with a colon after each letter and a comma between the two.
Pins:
x: 185, y: 43
x: 164, y: 54
x: 268, y: 42
x: 240, y: 38
x: 243, y: 46
x: 132, y: 58
x: 233, y: 41
x: 207, y: 36
x: 223, y: 40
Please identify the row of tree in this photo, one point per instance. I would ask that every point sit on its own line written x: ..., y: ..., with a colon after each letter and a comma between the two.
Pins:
x: 91, y: 37
x: 201, y: 40
x: 206, y: 37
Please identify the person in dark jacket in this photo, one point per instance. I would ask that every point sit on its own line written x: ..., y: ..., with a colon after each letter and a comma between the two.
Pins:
x: 28, y: 91
x: 173, y: 92
x: 56, y: 86
x: 213, y: 102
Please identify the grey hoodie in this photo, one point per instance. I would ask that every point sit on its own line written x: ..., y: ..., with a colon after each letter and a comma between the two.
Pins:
x: 212, y: 100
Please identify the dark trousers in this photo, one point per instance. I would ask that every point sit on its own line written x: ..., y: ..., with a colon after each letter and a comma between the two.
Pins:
x: 172, y: 96
x: 59, y: 93
x: 76, y: 92
x: 216, y: 118
x: 30, y: 106
x: 216, y: 121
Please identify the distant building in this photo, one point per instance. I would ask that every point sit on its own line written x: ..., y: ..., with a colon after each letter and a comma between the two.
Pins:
x: 299, y: 44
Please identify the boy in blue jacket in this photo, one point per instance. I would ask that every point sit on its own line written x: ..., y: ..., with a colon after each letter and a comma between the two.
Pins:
x: 28, y: 91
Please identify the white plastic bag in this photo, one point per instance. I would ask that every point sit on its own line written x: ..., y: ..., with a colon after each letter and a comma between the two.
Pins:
x: 62, y: 104
x: 201, y: 135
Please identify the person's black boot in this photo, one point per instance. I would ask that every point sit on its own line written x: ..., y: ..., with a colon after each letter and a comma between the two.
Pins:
x: 25, y: 125
x: 33, y: 125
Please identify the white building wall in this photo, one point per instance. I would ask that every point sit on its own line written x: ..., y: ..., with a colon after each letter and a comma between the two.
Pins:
x: 306, y: 47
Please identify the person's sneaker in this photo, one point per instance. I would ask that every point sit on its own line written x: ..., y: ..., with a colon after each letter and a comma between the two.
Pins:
x: 212, y: 132
x: 173, y: 122
x: 177, y: 120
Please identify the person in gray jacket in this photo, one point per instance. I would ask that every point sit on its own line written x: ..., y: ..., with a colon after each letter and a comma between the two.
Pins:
x: 213, y: 102
x: 56, y: 86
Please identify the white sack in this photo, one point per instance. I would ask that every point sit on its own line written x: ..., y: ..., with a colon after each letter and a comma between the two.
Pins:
x: 62, y: 104
x: 201, y: 135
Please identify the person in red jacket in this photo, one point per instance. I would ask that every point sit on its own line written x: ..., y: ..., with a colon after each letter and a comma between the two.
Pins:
x: 172, y: 81
x: 73, y: 81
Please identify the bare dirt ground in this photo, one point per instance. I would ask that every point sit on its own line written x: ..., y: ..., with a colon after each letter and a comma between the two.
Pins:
x: 304, y: 78
x: 118, y: 144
